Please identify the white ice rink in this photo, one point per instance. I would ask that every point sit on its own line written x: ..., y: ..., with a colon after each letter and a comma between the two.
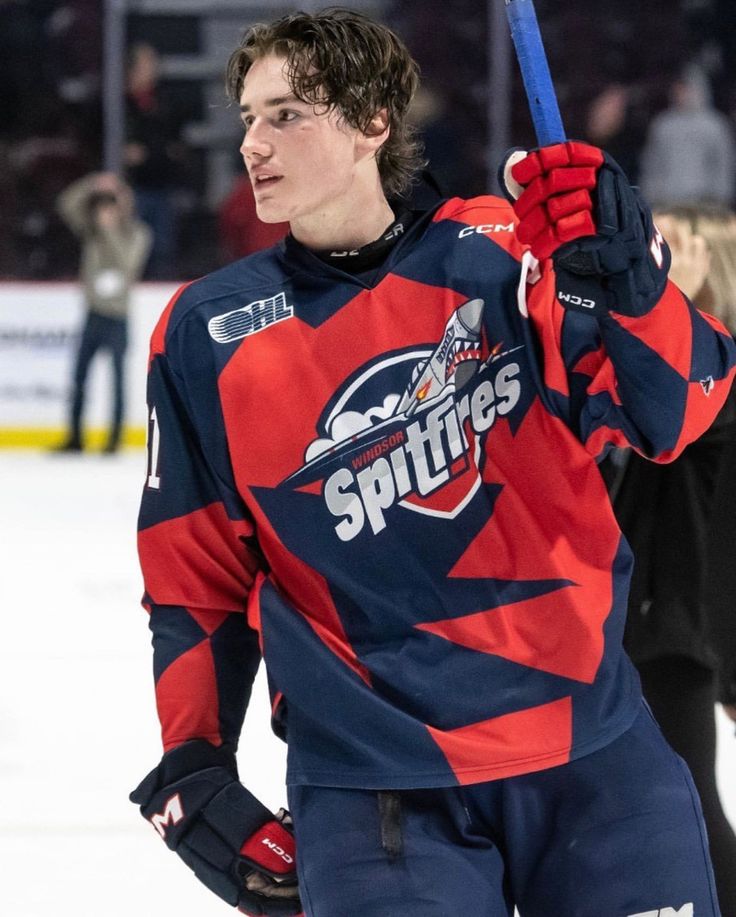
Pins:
x: 77, y: 721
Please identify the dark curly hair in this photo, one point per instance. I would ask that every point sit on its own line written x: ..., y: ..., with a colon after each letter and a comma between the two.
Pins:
x: 343, y: 60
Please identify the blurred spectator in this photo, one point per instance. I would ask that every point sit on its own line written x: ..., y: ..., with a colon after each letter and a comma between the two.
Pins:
x: 690, y: 154
x: 115, y: 245
x: 452, y: 115
x: 680, y: 520
x: 439, y: 133
x: 615, y: 124
x: 49, y: 129
x: 153, y: 156
x: 241, y: 232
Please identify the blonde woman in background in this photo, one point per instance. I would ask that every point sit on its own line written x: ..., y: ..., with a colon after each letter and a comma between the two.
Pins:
x: 680, y: 520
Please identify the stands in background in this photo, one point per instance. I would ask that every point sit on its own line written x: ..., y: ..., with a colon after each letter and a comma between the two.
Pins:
x: 50, y: 122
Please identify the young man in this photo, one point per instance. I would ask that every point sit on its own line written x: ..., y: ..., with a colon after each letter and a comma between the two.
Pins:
x: 373, y: 463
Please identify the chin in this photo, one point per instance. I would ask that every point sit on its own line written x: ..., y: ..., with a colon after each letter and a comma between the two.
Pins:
x: 270, y: 212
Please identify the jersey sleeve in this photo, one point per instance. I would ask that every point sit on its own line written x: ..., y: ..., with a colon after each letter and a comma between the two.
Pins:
x: 654, y: 382
x: 199, y: 557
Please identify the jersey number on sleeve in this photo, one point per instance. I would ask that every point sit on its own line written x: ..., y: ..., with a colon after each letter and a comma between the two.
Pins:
x: 154, y: 442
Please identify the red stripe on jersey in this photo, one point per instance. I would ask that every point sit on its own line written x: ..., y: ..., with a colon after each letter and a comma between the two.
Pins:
x: 605, y: 381
x: 603, y: 376
x: 548, y: 316
x: 307, y: 592
x: 277, y: 698
x: 254, y: 608
x: 561, y: 491
x: 714, y: 322
x: 314, y: 488
x: 697, y: 419
x: 590, y: 364
x: 492, y: 216
x: 602, y: 436
x: 197, y: 560
x: 667, y: 329
x: 208, y: 620
x: 158, y: 338
x: 539, y: 734
x: 553, y: 633
x: 449, y: 209
x: 187, y: 700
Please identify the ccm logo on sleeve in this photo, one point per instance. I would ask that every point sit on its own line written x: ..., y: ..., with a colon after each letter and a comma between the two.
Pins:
x: 485, y: 229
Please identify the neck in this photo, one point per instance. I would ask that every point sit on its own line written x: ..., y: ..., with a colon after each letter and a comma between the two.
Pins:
x: 345, y: 225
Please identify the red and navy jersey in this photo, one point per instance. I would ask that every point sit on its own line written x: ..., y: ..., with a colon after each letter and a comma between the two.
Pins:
x: 387, y: 487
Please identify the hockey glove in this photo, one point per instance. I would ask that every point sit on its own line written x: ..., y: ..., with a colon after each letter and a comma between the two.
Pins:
x: 238, y: 848
x: 575, y: 205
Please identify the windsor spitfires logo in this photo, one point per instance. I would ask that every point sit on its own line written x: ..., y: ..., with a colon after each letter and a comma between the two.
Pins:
x: 406, y: 429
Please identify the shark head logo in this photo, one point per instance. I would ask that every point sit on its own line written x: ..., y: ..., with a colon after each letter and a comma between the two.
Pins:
x: 406, y: 430
x: 452, y: 363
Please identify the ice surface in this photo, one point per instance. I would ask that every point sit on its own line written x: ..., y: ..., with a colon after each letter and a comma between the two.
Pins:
x: 77, y: 722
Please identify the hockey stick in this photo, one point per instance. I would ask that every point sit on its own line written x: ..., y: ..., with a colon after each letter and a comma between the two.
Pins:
x: 540, y: 92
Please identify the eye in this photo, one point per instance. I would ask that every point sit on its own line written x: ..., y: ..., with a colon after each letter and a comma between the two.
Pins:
x: 246, y: 122
x: 285, y: 115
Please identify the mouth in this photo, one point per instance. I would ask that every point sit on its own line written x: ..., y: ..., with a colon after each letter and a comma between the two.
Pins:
x: 461, y: 352
x: 262, y: 182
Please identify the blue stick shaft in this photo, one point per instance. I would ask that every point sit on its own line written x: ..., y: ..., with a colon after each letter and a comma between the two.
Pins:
x: 535, y: 71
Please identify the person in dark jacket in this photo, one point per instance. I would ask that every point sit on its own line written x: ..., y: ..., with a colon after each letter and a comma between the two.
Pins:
x: 720, y: 589
x: 679, y: 521
x: 153, y: 155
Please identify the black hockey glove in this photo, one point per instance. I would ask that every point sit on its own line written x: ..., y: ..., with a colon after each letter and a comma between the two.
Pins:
x: 233, y: 843
x: 575, y: 205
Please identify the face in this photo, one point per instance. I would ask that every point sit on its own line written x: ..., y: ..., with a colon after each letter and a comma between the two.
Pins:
x: 302, y: 161
x: 107, y: 215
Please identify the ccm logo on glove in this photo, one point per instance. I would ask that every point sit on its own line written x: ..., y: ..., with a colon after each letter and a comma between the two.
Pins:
x: 576, y: 300
x: 278, y: 857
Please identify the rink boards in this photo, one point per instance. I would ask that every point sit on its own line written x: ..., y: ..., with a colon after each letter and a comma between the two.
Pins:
x: 39, y: 332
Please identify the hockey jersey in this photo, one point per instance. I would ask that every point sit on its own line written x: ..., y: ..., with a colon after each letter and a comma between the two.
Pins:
x: 388, y: 489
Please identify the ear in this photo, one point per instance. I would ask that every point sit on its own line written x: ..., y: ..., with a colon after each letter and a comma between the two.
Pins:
x: 378, y: 131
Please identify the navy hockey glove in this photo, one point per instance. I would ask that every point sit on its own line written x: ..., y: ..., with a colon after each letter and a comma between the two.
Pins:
x: 575, y: 205
x: 238, y: 848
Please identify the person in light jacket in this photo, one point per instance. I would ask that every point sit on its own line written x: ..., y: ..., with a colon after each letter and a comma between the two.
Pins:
x: 115, y: 245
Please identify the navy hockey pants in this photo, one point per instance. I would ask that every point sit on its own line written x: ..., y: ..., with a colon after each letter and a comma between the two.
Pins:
x: 613, y: 834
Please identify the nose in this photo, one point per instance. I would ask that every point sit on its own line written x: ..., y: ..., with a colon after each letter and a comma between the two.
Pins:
x: 255, y: 142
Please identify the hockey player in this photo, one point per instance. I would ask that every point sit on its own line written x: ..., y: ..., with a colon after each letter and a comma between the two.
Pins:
x: 372, y: 462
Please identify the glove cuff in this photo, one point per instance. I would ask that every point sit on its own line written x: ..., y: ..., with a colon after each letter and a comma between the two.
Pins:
x: 196, y: 755
x: 188, y: 758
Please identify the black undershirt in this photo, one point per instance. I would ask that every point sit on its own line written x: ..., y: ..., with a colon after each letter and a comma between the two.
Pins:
x: 363, y: 261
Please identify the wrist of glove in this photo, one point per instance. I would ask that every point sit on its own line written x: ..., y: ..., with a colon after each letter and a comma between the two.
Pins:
x: 236, y: 846
x: 576, y: 206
